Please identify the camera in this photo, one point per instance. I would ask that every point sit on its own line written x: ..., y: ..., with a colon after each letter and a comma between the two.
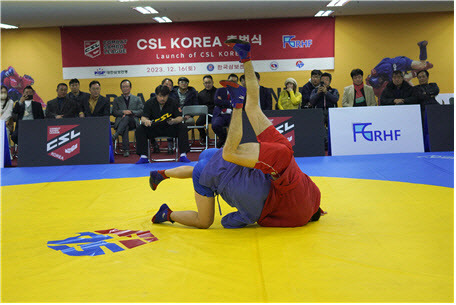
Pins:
x: 322, y: 83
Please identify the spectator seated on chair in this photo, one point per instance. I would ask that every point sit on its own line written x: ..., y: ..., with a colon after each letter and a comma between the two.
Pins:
x: 425, y: 92
x: 95, y: 105
x: 358, y: 94
x: 222, y: 112
x: 63, y: 106
x: 26, y: 109
x: 206, y: 97
x: 290, y: 97
x: 6, y: 111
x: 161, y: 117
x: 398, y: 92
x: 78, y: 95
x: 127, y: 109
x: 307, y: 89
x: 265, y: 93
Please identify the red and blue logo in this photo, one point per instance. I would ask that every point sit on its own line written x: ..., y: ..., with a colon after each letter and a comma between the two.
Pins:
x: 93, y: 243
x: 299, y: 64
x: 210, y: 67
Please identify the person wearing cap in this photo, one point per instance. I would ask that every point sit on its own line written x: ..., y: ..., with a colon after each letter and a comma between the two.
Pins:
x: 290, y: 97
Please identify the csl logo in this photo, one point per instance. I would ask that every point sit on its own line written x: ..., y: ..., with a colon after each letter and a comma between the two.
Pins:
x: 285, y: 126
x: 288, y: 40
x: 210, y: 67
x: 91, y: 243
x: 92, y: 48
x: 63, y: 142
x: 374, y: 135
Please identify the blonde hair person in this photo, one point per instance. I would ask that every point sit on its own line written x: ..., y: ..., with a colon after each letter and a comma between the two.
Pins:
x: 290, y: 98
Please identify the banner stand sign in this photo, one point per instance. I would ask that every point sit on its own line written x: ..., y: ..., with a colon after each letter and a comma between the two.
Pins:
x: 74, y: 141
x: 375, y: 130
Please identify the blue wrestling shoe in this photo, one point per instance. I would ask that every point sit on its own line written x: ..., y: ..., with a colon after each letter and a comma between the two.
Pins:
x: 241, y: 47
x: 184, y: 159
x: 237, y: 93
x: 163, y: 214
x: 155, y: 178
x: 142, y: 161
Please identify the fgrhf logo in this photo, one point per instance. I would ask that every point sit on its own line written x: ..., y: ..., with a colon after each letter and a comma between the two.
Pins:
x: 374, y: 135
x: 63, y: 142
x: 288, y: 40
x: 285, y: 126
x: 92, y: 48
x: 91, y: 243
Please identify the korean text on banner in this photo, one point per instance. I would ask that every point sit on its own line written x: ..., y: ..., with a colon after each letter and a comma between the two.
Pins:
x: 196, y: 48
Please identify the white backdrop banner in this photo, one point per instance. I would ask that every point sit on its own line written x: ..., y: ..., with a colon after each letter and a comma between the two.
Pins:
x: 375, y: 130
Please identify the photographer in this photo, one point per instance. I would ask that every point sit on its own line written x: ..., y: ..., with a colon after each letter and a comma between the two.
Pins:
x: 324, y: 96
x: 26, y: 109
x: 290, y: 98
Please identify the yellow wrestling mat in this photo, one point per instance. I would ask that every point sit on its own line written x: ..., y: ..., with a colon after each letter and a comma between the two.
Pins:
x: 380, y: 242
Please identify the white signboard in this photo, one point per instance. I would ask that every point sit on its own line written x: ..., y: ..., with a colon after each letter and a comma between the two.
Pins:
x: 375, y: 130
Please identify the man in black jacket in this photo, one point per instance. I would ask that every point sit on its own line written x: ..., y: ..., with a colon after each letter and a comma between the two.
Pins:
x: 161, y: 117
x: 62, y: 106
x: 206, y: 97
x: 26, y: 109
x: 398, y: 92
x: 78, y: 95
x: 306, y: 90
x: 425, y: 92
x: 95, y: 104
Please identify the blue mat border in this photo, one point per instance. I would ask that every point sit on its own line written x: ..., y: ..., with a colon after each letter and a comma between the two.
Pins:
x: 422, y: 168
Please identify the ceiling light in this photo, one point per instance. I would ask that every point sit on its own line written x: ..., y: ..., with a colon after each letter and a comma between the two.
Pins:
x: 7, y: 26
x: 327, y: 13
x: 145, y: 10
x: 337, y: 3
x: 159, y: 19
x: 319, y: 14
x: 151, y: 10
x: 166, y: 19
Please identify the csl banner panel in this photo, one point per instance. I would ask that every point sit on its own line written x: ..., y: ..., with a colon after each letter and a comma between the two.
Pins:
x: 196, y: 48
x: 375, y: 130
x: 51, y: 142
x: 303, y: 128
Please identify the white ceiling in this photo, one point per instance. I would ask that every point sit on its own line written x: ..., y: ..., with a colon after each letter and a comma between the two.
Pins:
x: 37, y: 13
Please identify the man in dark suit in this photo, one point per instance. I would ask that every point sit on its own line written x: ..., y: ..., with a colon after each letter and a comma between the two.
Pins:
x: 127, y: 109
x: 265, y: 93
x: 95, y: 104
x: 62, y: 106
x: 26, y: 109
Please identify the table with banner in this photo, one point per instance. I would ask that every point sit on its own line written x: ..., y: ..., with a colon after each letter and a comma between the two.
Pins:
x: 74, y: 141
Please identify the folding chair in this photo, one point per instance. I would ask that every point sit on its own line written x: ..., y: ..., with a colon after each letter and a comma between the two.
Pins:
x: 198, y: 110
x: 175, y: 150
